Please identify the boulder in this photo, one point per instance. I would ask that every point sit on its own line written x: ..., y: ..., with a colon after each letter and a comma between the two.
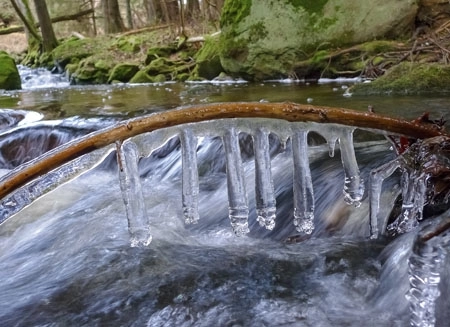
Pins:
x: 264, y: 39
x: 123, y: 72
x: 9, y: 75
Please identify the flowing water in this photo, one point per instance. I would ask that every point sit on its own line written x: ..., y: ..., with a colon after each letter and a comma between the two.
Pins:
x: 66, y: 260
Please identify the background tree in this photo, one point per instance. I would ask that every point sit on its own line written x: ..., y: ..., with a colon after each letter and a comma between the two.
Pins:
x: 49, y: 41
x: 113, y: 22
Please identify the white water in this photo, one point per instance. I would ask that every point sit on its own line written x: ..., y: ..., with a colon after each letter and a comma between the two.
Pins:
x: 66, y: 259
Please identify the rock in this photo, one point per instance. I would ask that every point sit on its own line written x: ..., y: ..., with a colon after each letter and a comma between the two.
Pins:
x: 208, y: 60
x: 263, y: 39
x: 9, y: 75
x: 141, y: 77
x: 90, y: 71
x: 123, y: 72
x: 158, y: 52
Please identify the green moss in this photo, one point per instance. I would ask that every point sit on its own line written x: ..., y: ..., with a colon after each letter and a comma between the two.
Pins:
x: 257, y: 31
x: 409, y: 78
x: 208, y: 59
x: 73, y: 50
x: 311, y: 6
x: 234, y: 11
x: 158, y: 52
x: 123, y: 72
x: 128, y: 44
x: 376, y: 47
x: 141, y: 77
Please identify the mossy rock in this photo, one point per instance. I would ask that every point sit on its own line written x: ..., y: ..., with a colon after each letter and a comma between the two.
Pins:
x: 408, y: 78
x: 9, y: 75
x: 159, y: 52
x: 159, y: 66
x: 123, y: 72
x: 141, y: 77
x: 265, y: 39
x: 88, y: 73
x: 160, y: 78
x: 128, y: 44
x: 208, y: 59
x: 74, y: 50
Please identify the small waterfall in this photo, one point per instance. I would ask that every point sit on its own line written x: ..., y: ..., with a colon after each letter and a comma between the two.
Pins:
x: 41, y: 78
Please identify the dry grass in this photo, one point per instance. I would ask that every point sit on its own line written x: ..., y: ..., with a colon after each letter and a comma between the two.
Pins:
x: 14, y: 43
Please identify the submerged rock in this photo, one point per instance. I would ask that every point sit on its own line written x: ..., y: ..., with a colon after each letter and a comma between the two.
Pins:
x: 9, y: 75
x: 264, y: 39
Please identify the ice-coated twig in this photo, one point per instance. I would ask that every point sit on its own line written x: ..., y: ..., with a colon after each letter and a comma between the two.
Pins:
x: 189, y: 176
x: 264, y: 191
x: 303, y: 189
x: 353, y: 184
x: 130, y: 185
x: 377, y: 176
x: 237, y: 195
x: 25, y: 195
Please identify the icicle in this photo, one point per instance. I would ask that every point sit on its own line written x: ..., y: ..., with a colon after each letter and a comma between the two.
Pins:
x: 413, y: 196
x: 353, y: 184
x: 425, y: 265
x: 332, y: 145
x: 130, y: 185
x: 264, y: 192
x: 237, y: 196
x: 303, y: 189
x: 190, y: 176
x: 377, y: 176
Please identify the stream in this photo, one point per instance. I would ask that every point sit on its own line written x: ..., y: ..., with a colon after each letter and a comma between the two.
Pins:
x: 66, y: 259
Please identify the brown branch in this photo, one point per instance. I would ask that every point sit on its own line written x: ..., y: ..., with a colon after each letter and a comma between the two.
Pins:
x: 286, y: 111
x: 15, y: 29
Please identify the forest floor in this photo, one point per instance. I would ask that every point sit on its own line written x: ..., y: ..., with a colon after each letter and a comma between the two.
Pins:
x: 14, y: 43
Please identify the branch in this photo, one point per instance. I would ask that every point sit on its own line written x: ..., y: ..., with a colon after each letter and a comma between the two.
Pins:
x: 16, y: 29
x: 286, y: 111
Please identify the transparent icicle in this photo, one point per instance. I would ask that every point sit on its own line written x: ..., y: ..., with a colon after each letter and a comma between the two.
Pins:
x: 303, y: 189
x: 425, y: 266
x: 237, y: 195
x: 25, y: 195
x: 353, y: 184
x: 190, y: 176
x: 130, y: 185
x: 331, y: 141
x: 377, y: 176
x: 413, y: 196
x: 264, y: 191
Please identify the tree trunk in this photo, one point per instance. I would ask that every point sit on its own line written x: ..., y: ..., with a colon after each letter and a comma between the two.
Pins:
x: 111, y: 15
x: 48, y: 34
x: 22, y: 9
x: 129, y: 14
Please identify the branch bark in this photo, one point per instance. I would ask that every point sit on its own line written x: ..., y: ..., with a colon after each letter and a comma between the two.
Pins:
x: 285, y: 111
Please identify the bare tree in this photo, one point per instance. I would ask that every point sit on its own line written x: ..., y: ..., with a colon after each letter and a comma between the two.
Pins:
x: 49, y: 41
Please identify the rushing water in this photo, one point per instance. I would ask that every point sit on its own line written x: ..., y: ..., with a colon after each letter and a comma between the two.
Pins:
x: 66, y: 260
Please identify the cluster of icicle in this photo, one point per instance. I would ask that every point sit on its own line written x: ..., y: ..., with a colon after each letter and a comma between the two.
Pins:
x: 128, y: 154
x: 421, y: 162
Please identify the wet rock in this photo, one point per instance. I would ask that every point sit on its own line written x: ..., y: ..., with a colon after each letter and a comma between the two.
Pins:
x: 9, y: 75
x: 208, y: 60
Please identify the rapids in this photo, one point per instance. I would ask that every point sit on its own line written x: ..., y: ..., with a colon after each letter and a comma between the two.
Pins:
x: 66, y: 259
